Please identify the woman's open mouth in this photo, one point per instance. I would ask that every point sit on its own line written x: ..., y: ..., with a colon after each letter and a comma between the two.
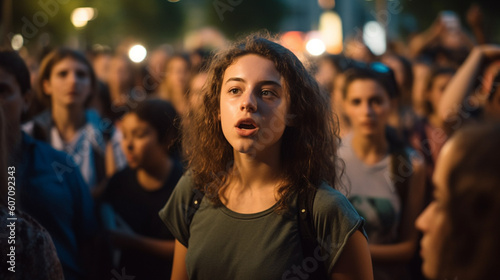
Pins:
x: 246, y: 127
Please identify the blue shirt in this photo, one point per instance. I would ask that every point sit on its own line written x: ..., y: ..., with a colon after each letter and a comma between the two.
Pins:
x: 51, y: 189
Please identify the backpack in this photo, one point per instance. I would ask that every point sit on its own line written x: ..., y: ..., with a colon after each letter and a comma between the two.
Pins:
x: 307, y: 231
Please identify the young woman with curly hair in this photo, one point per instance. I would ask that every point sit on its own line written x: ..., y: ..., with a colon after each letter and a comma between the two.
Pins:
x: 263, y: 136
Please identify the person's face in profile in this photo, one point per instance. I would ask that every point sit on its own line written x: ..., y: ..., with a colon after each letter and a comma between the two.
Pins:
x: 433, y: 222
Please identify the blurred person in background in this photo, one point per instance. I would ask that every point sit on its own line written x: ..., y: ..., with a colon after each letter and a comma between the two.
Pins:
x: 194, y: 95
x: 34, y: 251
x: 137, y: 193
x: 422, y: 69
x: 430, y: 134
x: 337, y: 86
x: 460, y: 227
x: 176, y: 82
x: 49, y: 186
x: 156, y: 65
x: 357, y: 50
x: 444, y: 42
x: 328, y: 67
x: 66, y: 84
x: 473, y: 94
x: 385, y: 177
x: 403, y: 117
x: 199, y: 58
x: 36, y: 106
x: 100, y: 58
x: 122, y: 78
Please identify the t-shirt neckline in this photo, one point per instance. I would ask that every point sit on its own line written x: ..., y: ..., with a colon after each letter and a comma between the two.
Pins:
x: 246, y: 216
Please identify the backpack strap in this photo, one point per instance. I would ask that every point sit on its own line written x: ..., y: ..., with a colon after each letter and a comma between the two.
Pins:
x: 194, y: 205
x: 307, y: 231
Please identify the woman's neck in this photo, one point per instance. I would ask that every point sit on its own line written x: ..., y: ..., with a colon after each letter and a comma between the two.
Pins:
x: 370, y: 148
x: 252, y: 184
x: 256, y: 170
x: 153, y: 177
x: 68, y: 120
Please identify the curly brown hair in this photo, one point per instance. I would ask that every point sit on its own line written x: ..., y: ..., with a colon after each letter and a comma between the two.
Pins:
x: 309, y: 144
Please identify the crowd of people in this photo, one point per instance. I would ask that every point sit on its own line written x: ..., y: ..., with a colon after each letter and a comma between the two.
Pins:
x: 248, y: 163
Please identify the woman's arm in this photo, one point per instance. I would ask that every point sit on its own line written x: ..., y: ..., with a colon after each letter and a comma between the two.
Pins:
x: 426, y: 38
x: 461, y: 85
x: 354, y: 262
x: 179, y: 271
x: 404, y: 250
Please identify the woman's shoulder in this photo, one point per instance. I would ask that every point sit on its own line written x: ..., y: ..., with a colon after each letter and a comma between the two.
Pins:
x: 335, y: 220
x: 184, y: 190
x: 331, y: 206
x: 328, y: 199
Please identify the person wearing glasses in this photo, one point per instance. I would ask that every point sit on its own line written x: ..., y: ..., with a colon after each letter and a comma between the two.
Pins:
x: 384, y: 177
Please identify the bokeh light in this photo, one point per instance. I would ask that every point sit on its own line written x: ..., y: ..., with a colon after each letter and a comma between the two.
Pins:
x: 330, y: 27
x: 137, y: 53
x: 17, y: 42
x: 81, y: 16
x: 374, y: 37
x: 316, y: 47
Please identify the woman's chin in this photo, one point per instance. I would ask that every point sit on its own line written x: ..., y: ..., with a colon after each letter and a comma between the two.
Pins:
x: 428, y: 270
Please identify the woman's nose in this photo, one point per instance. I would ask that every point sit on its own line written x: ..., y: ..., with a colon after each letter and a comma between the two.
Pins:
x: 368, y: 109
x: 127, y: 144
x: 421, y: 221
x: 248, y: 102
x: 72, y: 77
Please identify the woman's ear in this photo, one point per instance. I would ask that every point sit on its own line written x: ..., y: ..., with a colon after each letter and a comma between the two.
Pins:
x: 47, y: 88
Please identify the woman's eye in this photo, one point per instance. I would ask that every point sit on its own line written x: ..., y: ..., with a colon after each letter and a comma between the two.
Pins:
x: 141, y: 134
x: 81, y: 74
x: 62, y: 73
x: 355, y: 102
x: 266, y: 93
x: 234, y: 91
x: 377, y: 101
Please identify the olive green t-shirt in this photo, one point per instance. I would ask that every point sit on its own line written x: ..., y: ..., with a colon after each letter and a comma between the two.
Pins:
x: 223, y: 244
